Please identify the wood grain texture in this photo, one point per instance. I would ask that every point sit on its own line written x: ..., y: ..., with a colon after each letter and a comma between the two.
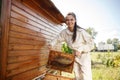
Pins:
x: 55, y: 77
x: 61, y: 61
x: 25, y: 36
x: 5, y: 18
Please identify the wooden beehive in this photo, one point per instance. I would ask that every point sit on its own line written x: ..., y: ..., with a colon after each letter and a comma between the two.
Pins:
x: 26, y: 27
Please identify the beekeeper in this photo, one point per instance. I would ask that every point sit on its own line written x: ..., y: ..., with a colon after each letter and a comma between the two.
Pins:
x: 81, y: 42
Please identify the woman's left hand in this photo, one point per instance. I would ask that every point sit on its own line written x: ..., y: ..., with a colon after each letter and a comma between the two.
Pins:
x: 49, y: 47
x: 77, y: 53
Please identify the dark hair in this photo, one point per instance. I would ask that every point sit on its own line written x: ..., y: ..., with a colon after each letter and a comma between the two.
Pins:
x: 75, y: 27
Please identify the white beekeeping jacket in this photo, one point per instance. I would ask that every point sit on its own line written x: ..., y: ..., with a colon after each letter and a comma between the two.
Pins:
x: 83, y: 43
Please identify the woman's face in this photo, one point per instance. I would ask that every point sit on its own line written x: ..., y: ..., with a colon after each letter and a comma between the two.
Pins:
x: 70, y: 21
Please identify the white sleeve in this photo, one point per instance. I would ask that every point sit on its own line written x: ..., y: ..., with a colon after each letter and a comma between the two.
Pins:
x: 89, y: 43
x: 58, y: 39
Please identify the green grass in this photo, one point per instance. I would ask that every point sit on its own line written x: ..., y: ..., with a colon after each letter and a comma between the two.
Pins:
x: 100, y: 71
x: 105, y: 73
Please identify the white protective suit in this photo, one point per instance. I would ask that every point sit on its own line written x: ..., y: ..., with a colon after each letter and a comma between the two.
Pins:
x: 83, y: 43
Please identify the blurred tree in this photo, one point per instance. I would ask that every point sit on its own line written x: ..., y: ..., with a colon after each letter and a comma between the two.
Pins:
x: 115, y: 42
x: 92, y: 32
x: 119, y: 46
x: 109, y: 41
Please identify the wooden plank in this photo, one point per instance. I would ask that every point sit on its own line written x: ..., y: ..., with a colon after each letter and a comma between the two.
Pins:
x: 25, y: 41
x: 49, y: 8
x: 16, y: 59
x: 26, y: 9
x: 23, y: 52
x: 26, y: 20
x: 33, y: 13
x: 56, y: 77
x: 24, y: 47
x: 5, y: 16
x: 21, y: 32
x: 39, y: 24
x: 20, y: 64
x: 26, y: 36
x: 37, y: 7
x: 0, y: 43
x: 19, y: 23
x: 33, y: 17
x: 23, y: 68
x: 0, y: 32
x: 28, y: 75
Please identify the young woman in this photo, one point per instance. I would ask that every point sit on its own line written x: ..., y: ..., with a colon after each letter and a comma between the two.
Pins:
x: 81, y: 42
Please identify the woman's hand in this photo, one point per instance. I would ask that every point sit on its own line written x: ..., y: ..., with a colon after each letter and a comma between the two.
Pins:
x: 77, y: 53
x: 49, y: 47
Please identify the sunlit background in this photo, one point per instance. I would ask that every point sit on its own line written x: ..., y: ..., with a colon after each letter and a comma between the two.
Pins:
x: 102, y: 15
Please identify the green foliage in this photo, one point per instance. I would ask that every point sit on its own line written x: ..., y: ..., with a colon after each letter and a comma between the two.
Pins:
x: 66, y: 49
x: 111, y: 61
x: 119, y: 46
x: 116, y: 61
x: 107, y: 59
x: 105, y: 65
x: 115, y: 42
x: 92, y: 32
x: 115, y: 46
x: 109, y: 41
